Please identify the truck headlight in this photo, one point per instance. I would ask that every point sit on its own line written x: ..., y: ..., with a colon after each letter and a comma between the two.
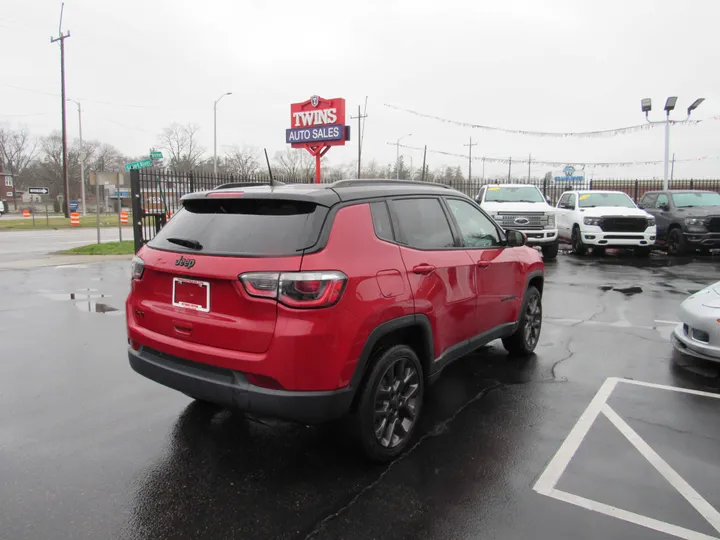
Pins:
x: 550, y: 221
x: 695, y: 222
x: 594, y: 221
x: 651, y: 222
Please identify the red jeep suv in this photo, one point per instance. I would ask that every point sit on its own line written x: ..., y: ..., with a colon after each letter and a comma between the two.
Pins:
x: 312, y: 302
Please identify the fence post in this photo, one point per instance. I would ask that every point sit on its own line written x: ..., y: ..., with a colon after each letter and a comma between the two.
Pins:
x: 136, y: 208
x: 191, y: 181
x: 691, y: 183
x: 636, y: 191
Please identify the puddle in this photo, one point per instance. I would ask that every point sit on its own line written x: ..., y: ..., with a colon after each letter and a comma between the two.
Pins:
x: 627, y: 291
x: 86, y: 300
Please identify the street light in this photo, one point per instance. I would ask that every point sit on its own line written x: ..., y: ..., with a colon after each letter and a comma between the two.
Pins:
x: 82, y: 157
x: 397, y: 156
x: 215, y: 131
x: 670, y: 103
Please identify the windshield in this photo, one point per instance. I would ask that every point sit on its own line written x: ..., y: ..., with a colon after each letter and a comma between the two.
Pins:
x: 591, y: 200
x: 514, y: 194
x: 695, y: 198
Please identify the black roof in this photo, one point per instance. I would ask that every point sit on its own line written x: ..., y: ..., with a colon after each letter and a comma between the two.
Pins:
x: 329, y: 194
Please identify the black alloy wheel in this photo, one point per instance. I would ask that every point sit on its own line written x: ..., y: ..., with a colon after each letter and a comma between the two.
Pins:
x: 396, y: 404
x: 577, y: 243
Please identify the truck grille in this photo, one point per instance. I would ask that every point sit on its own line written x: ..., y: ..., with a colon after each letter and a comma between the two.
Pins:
x: 713, y: 224
x: 623, y: 224
x: 528, y: 220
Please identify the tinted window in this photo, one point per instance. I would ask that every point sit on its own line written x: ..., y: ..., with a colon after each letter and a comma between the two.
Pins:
x: 243, y: 227
x: 594, y: 199
x: 648, y: 201
x: 423, y: 223
x: 662, y: 200
x: 696, y: 198
x: 514, y: 194
x: 381, y: 221
x: 477, y: 230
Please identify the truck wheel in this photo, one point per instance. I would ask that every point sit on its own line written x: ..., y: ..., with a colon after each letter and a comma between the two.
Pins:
x: 390, y: 403
x: 550, y: 251
x: 577, y: 243
x: 642, y: 251
x: 527, y: 334
x: 676, y: 244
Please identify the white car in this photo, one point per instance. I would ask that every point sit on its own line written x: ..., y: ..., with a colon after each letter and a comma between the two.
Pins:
x: 699, y: 332
x: 522, y: 208
x: 604, y: 219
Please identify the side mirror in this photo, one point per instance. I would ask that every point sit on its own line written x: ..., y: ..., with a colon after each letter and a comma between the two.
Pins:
x: 515, y: 238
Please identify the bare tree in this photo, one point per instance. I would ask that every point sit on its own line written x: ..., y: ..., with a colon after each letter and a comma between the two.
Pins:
x: 18, y: 150
x: 106, y: 158
x: 295, y: 163
x: 242, y: 162
x: 182, y: 146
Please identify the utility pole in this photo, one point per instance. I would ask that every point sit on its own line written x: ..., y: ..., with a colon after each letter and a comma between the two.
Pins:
x: 82, y: 157
x: 509, y: 169
x: 422, y: 178
x: 529, y: 164
x: 215, y: 131
x: 483, y: 176
x: 61, y: 39
x: 470, y: 145
x: 359, y: 118
x: 672, y: 171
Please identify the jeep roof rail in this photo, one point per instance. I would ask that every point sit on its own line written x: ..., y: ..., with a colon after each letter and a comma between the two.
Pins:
x: 374, y: 182
x: 230, y: 185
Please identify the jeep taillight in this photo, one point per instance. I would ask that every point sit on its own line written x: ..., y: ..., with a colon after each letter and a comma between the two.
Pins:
x: 302, y: 290
x: 137, y: 268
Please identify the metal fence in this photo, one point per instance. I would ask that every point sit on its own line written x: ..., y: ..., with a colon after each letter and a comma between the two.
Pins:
x: 634, y: 188
x: 156, y: 193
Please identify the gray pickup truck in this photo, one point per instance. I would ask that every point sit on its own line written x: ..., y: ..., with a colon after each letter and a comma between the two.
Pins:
x: 686, y: 220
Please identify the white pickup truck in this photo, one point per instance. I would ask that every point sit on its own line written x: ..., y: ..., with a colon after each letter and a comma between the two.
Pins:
x: 523, y: 208
x: 604, y: 219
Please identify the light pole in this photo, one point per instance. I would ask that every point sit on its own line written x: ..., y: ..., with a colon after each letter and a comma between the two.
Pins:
x: 215, y: 131
x: 397, y: 156
x: 82, y: 157
x: 669, y: 106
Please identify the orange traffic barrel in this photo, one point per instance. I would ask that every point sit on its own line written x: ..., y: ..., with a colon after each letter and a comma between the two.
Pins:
x: 124, y: 217
x: 26, y: 214
x: 168, y: 215
x: 75, y: 219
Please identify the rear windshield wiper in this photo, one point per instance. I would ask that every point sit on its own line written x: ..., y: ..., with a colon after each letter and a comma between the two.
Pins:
x: 184, y: 242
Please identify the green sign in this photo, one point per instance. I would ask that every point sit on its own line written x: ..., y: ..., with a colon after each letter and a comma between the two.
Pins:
x: 138, y: 165
x: 156, y: 155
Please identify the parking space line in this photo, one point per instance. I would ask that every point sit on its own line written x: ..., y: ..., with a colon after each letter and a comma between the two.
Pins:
x: 550, y: 477
x: 667, y: 322
x: 705, y: 509
x: 670, y: 388
x: 632, y: 517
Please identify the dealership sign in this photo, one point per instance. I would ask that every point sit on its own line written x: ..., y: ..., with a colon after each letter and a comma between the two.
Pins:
x: 569, y: 174
x: 316, y: 125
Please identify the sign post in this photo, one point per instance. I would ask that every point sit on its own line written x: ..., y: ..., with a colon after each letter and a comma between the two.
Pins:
x: 316, y: 125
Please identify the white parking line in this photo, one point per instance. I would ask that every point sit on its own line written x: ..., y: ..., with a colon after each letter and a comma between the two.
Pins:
x: 555, y: 469
x: 667, y: 322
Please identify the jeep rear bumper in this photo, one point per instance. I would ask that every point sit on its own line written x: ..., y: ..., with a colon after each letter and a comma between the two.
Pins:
x: 231, y: 389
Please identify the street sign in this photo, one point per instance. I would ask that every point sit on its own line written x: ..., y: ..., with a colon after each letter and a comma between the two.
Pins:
x: 74, y: 205
x: 39, y: 191
x: 156, y: 155
x: 139, y: 164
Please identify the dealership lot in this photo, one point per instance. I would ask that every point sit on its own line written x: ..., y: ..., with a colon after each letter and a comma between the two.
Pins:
x: 88, y: 449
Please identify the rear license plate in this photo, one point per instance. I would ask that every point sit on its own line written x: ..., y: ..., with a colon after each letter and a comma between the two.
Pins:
x: 191, y: 294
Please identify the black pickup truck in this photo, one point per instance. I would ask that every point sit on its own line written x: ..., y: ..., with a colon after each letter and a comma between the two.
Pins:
x: 686, y: 220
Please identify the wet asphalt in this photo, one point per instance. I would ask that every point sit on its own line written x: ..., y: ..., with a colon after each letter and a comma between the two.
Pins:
x: 90, y: 450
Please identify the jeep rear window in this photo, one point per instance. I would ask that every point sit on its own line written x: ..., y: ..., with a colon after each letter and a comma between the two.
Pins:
x: 250, y: 227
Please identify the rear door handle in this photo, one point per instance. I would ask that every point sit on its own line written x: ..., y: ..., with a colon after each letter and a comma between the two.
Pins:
x: 482, y: 264
x: 424, y: 269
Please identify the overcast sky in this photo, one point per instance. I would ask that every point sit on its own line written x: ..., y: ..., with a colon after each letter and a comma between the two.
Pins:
x: 543, y: 65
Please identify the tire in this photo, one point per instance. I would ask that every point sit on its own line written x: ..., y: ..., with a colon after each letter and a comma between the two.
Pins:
x: 550, y: 251
x: 676, y: 244
x: 598, y: 251
x: 642, y: 251
x: 527, y: 334
x: 577, y: 243
x: 393, y: 391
